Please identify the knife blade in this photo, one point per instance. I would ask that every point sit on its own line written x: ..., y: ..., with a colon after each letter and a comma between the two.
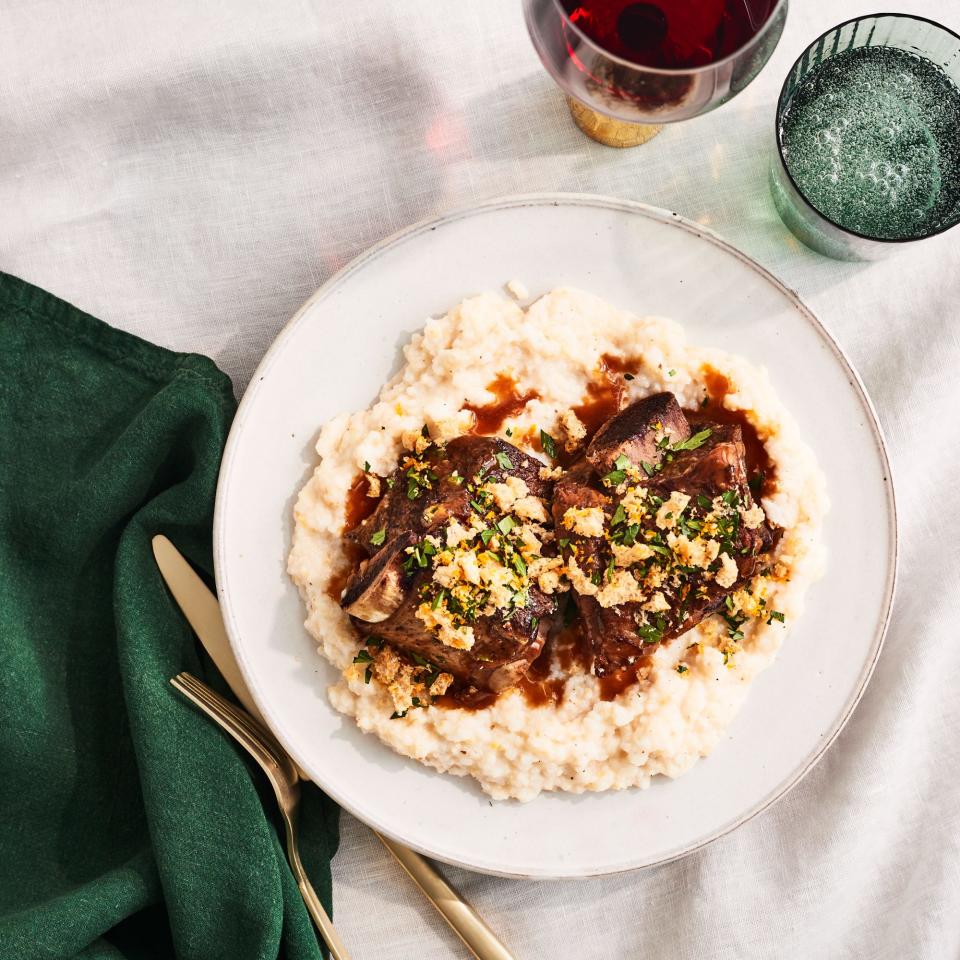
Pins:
x: 198, y: 604
x: 202, y: 610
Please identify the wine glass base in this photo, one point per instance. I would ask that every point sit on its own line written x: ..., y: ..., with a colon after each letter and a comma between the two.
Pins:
x: 610, y: 132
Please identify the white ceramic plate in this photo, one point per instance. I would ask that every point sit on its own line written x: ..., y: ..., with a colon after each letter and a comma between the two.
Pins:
x: 344, y: 343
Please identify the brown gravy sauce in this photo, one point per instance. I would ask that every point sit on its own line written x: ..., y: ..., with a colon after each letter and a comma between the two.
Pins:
x: 758, y: 461
x: 566, y: 649
x: 605, y: 393
x: 470, y: 699
x: 613, y: 684
x: 359, y: 505
x: 489, y: 418
x: 338, y: 581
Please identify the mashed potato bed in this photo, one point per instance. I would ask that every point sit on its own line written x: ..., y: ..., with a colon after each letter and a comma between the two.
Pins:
x: 553, y: 349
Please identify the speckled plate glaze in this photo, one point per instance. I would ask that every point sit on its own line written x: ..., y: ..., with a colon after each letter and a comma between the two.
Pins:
x: 344, y: 343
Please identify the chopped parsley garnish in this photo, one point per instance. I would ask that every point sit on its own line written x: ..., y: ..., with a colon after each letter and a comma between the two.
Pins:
x: 363, y: 656
x: 549, y: 444
x: 611, y: 566
x: 704, y: 503
x: 648, y: 468
x: 652, y: 632
x: 419, y: 556
x: 619, y: 516
x: 377, y: 538
x: 671, y: 373
x: 368, y: 673
x: 694, y: 442
x: 509, y: 431
x: 619, y: 473
x: 366, y: 466
x: 487, y: 535
x: 398, y: 716
x: 564, y: 543
x: 776, y: 615
x: 505, y: 462
x: 629, y: 376
x: 734, y: 622
x: 682, y: 668
x: 627, y: 536
x: 506, y: 524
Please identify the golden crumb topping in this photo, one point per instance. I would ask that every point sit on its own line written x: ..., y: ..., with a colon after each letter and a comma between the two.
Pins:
x: 662, y: 553
x: 485, y: 564
x: 585, y: 521
x: 409, y: 685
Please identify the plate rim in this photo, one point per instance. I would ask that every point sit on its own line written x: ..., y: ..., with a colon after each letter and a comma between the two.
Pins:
x: 669, y: 218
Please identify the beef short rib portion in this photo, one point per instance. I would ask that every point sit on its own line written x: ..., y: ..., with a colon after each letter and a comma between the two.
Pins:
x: 407, y: 498
x: 502, y: 651
x: 384, y: 593
x: 651, y: 435
x: 635, y: 432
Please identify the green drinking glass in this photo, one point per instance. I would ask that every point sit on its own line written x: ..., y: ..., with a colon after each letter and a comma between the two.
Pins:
x: 868, y: 136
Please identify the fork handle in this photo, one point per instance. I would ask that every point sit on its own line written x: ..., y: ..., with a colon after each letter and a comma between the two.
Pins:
x: 314, y: 907
x: 465, y: 922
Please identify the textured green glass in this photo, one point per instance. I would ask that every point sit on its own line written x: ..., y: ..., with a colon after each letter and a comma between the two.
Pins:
x: 871, y: 140
x: 867, y: 130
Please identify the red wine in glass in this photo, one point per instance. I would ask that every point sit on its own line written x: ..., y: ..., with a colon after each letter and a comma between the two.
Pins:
x: 670, y: 34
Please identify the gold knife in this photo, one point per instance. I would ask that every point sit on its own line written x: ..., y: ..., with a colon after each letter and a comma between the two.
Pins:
x: 200, y: 607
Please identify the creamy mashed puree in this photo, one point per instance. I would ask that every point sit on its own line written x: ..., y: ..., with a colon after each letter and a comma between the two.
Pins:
x: 552, y: 350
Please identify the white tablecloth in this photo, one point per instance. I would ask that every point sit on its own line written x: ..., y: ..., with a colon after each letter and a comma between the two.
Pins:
x: 192, y: 172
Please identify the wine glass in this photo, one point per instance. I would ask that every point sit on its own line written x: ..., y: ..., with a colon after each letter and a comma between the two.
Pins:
x: 629, y: 67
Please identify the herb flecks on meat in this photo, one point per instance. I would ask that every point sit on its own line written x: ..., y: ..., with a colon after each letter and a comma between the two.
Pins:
x: 680, y: 532
x: 458, y: 568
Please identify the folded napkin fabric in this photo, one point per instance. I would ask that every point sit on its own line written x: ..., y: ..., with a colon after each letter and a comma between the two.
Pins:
x: 130, y: 826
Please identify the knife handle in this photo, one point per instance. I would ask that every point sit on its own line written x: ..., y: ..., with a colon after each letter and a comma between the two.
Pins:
x: 465, y: 922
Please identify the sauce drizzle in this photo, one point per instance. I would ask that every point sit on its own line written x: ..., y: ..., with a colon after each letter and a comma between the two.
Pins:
x: 336, y: 583
x: 613, y: 684
x: 358, y: 505
x: 471, y: 700
x: 758, y: 460
x: 489, y: 418
x: 606, y: 393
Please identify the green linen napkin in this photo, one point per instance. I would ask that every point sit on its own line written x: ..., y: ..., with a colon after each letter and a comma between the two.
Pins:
x: 130, y: 826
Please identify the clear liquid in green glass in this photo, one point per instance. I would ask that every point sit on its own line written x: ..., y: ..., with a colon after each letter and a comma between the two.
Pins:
x: 872, y: 140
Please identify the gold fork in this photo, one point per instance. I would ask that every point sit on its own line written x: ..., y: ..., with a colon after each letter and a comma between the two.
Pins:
x: 283, y: 777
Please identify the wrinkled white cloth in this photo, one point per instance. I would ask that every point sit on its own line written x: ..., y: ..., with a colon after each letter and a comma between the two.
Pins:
x: 192, y: 172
